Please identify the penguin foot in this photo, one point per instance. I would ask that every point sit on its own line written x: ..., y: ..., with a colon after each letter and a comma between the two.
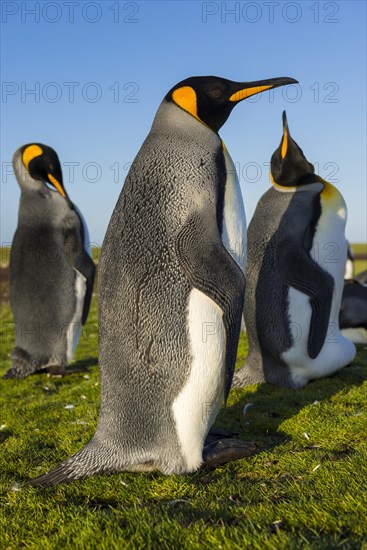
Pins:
x: 226, y: 450
x: 56, y: 370
x: 246, y: 376
x: 20, y: 369
x: 218, y: 433
x: 24, y: 365
x: 240, y: 378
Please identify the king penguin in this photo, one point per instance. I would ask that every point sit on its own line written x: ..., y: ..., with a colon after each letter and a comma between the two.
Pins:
x: 51, y: 271
x: 353, y: 311
x: 296, y: 261
x: 171, y: 293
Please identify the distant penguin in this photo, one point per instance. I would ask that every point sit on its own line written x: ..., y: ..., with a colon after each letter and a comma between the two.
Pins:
x: 353, y: 311
x: 361, y: 277
x: 51, y: 271
x: 171, y: 293
x: 296, y: 261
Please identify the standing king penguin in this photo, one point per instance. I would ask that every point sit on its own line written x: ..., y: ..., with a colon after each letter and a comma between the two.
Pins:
x: 296, y: 261
x: 171, y: 293
x: 51, y: 272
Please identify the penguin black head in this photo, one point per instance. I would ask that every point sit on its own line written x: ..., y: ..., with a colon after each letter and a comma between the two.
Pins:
x: 211, y: 99
x: 289, y: 167
x: 42, y: 164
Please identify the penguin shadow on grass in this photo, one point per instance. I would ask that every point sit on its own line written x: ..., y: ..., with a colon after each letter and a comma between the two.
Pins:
x: 257, y: 416
x: 266, y: 409
x: 83, y: 365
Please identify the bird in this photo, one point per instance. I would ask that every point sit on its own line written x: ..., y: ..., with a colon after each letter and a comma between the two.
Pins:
x: 51, y: 272
x: 171, y: 293
x: 353, y: 310
x: 296, y: 261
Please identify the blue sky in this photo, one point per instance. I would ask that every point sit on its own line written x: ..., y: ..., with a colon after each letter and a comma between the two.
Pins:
x: 98, y: 71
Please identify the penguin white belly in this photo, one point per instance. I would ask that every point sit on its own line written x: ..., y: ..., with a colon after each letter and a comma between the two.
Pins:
x: 75, y: 327
x: 198, y: 403
x: 329, y: 250
x: 234, y: 231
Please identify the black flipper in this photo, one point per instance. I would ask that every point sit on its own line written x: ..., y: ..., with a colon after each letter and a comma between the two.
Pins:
x: 301, y: 272
x: 82, y: 262
x: 211, y: 269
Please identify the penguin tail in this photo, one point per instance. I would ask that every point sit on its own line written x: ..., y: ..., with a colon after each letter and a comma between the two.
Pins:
x: 87, y: 462
x: 62, y: 473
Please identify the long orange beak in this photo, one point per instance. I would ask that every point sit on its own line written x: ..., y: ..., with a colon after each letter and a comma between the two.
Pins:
x: 247, y: 89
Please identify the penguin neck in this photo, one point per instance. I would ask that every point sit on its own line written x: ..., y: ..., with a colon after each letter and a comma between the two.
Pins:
x: 313, y: 182
x: 40, y: 206
x: 172, y: 119
x: 25, y: 181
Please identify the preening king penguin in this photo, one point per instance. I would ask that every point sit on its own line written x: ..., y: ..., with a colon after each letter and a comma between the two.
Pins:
x: 51, y: 271
x: 171, y: 293
x: 296, y: 261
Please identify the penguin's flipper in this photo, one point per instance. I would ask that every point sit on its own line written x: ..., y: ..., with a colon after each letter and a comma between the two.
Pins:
x: 87, y: 268
x: 211, y: 269
x: 82, y: 262
x: 226, y: 450
x: 301, y: 272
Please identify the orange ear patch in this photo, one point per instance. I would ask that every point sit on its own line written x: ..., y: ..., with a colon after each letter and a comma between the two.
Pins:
x: 30, y: 153
x: 185, y: 98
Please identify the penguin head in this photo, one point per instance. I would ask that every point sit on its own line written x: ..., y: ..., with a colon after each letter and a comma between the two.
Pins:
x: 37, y: 167
x: 289, y: 167
x: 211, y: 99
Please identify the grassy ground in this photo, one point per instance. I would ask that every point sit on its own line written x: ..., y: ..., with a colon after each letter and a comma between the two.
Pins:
x: 306, y: 487
x: 360, y: 265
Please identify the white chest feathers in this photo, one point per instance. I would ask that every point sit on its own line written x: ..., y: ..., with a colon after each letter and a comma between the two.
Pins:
x: 75, y: 327
x: 199, y: 401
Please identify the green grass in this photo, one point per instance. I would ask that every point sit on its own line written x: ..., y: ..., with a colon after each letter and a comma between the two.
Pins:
x: 359, y: 248
x: 306, y: 487
x: 360, y: 265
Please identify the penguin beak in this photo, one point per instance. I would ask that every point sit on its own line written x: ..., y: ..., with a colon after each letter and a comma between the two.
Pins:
x: 247, y: 89
x: 284, y: 148
x: 60, y: 188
